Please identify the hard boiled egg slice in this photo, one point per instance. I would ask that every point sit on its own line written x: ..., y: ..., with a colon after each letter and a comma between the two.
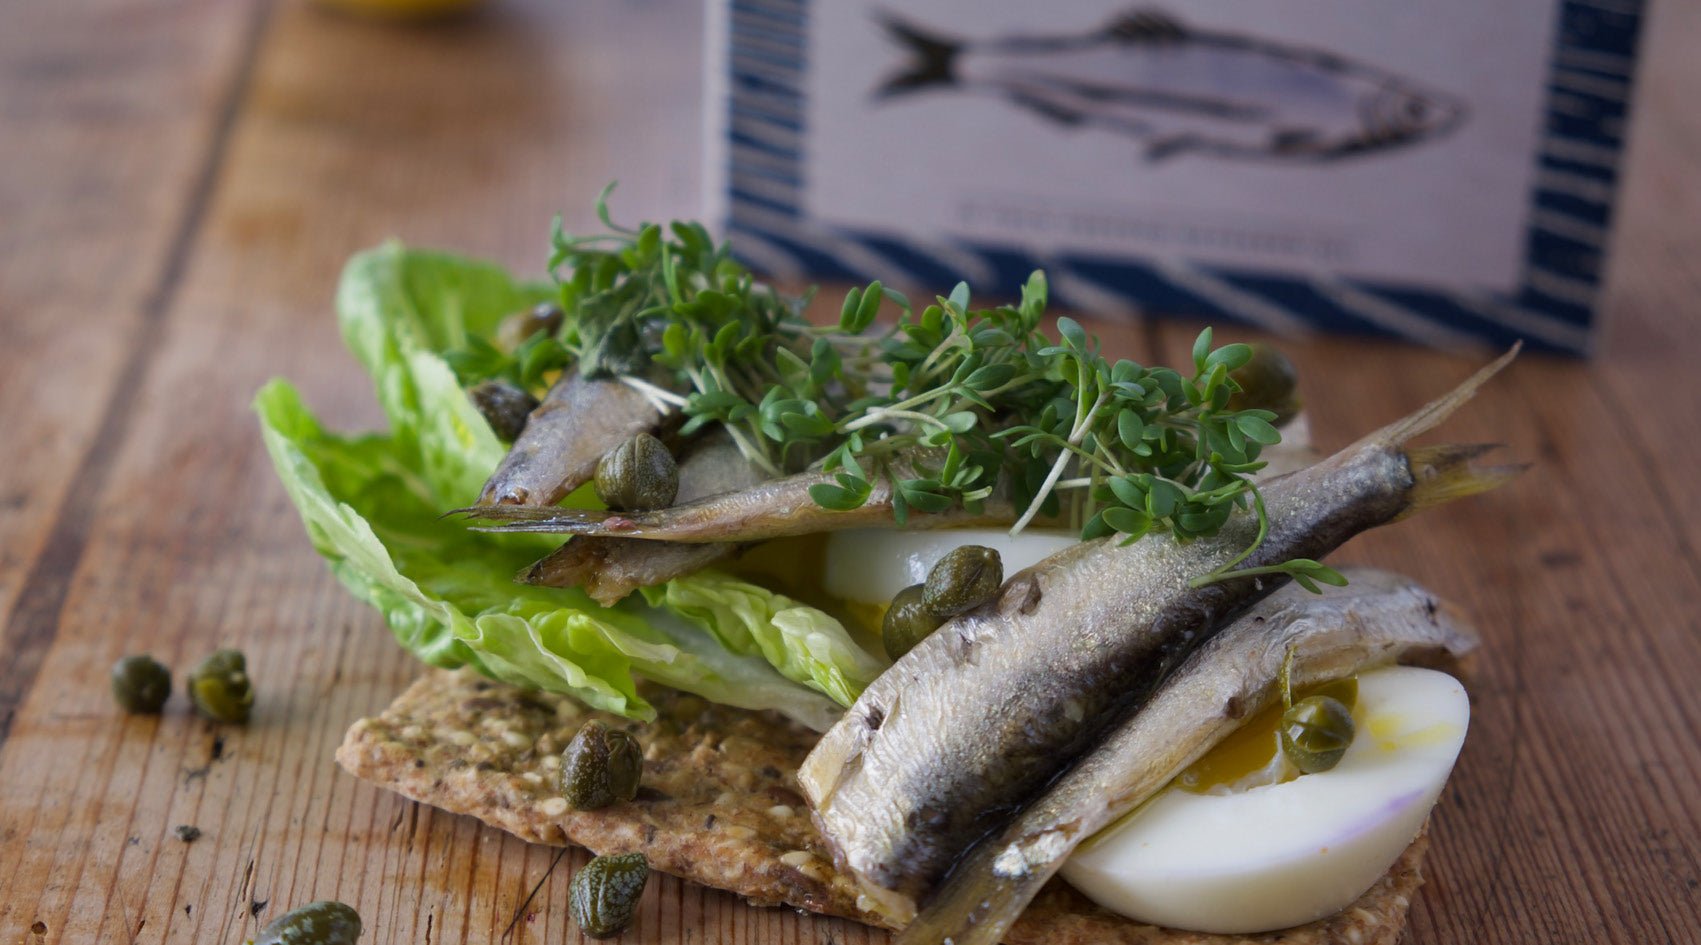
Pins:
x: 1281, y: 855
x: 870, y: 566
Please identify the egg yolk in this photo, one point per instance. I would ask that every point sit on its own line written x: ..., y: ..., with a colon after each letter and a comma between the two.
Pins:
x: 789, y: 566
x: 1252, y: 748
x: 868, y: 617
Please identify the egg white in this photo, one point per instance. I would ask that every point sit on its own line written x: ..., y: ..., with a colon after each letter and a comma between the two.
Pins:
x: 1281, y: 855
x: 872, y: 565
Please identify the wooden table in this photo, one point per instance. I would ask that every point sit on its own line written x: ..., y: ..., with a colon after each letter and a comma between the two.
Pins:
x: 182, y: 182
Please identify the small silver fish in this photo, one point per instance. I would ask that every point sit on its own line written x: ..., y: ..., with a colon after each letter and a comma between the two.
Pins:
x: 969, y: 727
x: 778, y: 508
x: 608, y: 569
x: 1185, y: 90
x: 611, y: 568
x: 578, y: 421
x: 1377, y: 619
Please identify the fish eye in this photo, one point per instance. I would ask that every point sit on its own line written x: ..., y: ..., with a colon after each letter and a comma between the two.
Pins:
x: 1416, y: 108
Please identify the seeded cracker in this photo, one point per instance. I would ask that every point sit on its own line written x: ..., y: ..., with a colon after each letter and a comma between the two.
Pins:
x: 718, y: 805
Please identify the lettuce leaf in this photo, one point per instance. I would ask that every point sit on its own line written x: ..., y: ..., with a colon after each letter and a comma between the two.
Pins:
x: 372, y: 506
x: 802, y: 642
x: 450, y: 598
x: 399, y: 310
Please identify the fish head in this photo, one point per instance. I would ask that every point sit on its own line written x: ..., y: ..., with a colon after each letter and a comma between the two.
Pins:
x: 1396, y: 112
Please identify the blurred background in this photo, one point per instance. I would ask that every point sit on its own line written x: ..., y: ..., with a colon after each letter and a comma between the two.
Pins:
x: 1440, y: 174
x: 181, y: 182
x: 1446, y: 177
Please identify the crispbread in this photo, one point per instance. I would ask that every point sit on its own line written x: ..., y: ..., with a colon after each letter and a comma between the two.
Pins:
x: 719, y: 805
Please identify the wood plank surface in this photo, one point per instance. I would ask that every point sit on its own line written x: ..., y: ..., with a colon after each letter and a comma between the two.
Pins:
x: 190, y: 187
x: 1651, y: 294
x: 114, y: 116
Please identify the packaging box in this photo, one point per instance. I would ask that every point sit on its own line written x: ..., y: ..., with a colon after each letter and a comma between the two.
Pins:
x: 1442, y: 172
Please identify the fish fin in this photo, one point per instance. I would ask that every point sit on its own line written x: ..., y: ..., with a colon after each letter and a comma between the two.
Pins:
x: 1162, y: 149
x: 1443, y: 473
x: 934, y: 57
x: 1146, y: 26
x: 532, y: 518
x: 1432, y: 413
x: 1291, y: 141
x: 1046, y: 108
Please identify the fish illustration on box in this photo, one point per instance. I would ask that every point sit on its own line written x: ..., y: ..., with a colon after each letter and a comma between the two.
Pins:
x: 1184, y: 91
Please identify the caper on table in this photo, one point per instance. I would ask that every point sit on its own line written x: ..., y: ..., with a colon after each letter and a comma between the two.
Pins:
x: 1316, y: 732
x: 1267, y: 381
x: 638, y: 475
x: 603, y: 896
x: 514, y: 330
x: 140, y: 684
x: 601, y: 766
x: 219, y: 687
x: 964, y: 579
x: 907, y: 622
x: 326, y: 922
x: 505, y: 406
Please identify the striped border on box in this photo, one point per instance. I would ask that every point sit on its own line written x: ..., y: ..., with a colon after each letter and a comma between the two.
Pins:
x: 759, y: 48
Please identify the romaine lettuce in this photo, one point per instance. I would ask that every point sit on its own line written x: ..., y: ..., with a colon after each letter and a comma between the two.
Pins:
x: 801, y: 642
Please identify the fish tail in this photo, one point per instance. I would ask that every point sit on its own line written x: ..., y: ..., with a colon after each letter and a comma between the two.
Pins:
x: 1432, y: 413
x: 1449, y: 471
x: 933, y: 62
x: 549, y: 519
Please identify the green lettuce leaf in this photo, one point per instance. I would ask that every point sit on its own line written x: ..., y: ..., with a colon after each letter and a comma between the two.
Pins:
x: 450, y: 598
x: 803, y: 643
x: 400, y: 309
x: 372, y: 506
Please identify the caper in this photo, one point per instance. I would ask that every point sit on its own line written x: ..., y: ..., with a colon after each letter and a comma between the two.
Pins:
x: 505, y: 407
x: 908, y: 622
x: 220, y: 689
x: 517, y: 328
x: 601, y: 766
x: 1267, y: 381
x: 1316, y: 731
x: 965, y: 578
x: 638, y: 475
x: 140, y: 684
x: 603, y: 896
x: 326, y: 922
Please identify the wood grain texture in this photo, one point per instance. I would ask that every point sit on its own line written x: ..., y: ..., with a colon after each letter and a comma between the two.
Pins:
x: 114, y: 115
x: 194, y: 175
x: 1651, y: 293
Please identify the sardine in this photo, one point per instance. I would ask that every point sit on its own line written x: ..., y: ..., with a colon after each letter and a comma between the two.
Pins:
x: 608, y: 569
x: 578, y: 421
x: 1181, y: 89
x: 1377, y: 619
x: 777, y: 508
x: 611, y: 568
x: 968, y: 728
x: 713, y: 465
